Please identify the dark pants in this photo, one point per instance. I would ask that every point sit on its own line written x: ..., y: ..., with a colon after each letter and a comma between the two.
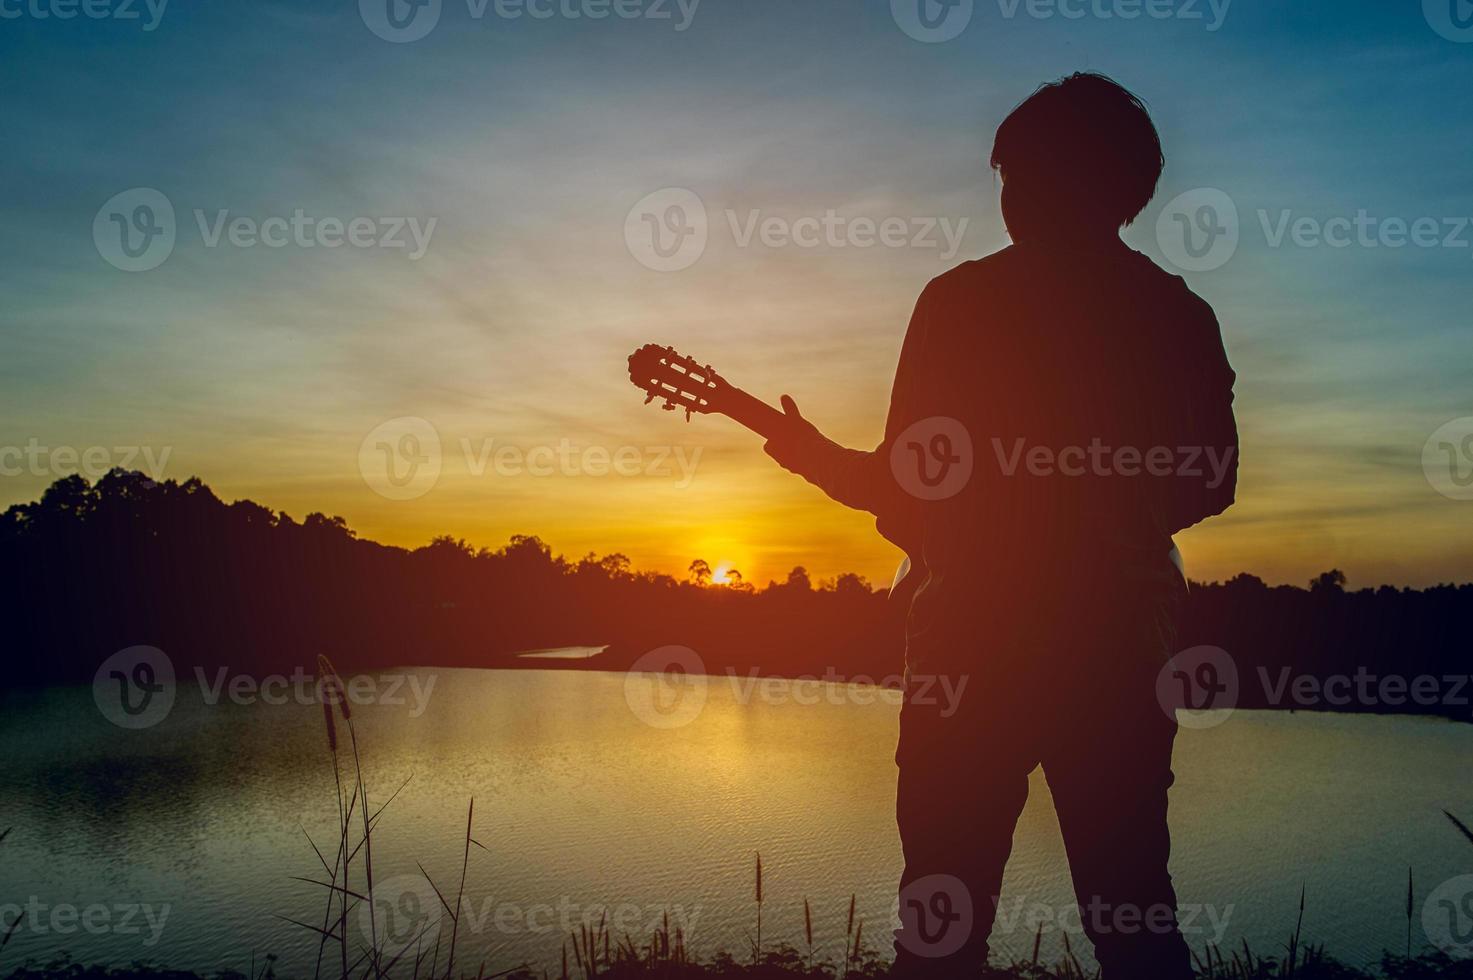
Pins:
x: 1081, y: 702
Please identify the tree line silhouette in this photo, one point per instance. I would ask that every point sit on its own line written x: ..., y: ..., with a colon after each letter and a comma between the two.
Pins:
x: 92, y: 568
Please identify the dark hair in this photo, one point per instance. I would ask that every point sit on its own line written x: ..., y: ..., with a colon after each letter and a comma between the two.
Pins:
x: 1086, y: 143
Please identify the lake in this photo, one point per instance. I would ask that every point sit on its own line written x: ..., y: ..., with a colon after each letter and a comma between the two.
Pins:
x: 178, y: 843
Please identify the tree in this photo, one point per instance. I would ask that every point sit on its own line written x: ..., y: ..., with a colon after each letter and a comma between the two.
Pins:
x: 736, y: 583
x: 1331, y: 581
x: 700, y: 572
x: 798, y: 579
x: 331, y: 526
x: 850, y: 584
x: 441, y: 545
x: 616, y: 566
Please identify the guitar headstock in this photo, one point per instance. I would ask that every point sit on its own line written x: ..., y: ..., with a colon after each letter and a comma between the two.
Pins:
x: 664, y: 372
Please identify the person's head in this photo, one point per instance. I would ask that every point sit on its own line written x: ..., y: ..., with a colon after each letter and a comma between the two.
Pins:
x: 1079, y: 158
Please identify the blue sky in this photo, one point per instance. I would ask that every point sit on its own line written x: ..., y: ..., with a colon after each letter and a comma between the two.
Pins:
x: 528, y: 141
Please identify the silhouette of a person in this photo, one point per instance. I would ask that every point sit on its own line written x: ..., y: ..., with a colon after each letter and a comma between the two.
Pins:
x: 1090, y: 395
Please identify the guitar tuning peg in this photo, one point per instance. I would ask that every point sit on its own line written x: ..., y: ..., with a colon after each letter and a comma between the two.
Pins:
x: 669, y: 405
x: 687, y: 413
x: 649, y: 398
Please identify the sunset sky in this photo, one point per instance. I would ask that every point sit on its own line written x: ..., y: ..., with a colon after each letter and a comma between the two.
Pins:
x: 528, y: 141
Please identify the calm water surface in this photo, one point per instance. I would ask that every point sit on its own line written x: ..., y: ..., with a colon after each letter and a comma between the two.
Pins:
x: 201, y: 821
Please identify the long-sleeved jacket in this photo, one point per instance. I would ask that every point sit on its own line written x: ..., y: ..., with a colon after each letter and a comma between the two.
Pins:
x: 1096, y: 398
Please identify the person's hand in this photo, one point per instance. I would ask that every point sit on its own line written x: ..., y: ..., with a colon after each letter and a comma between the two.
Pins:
x: 792, y: 447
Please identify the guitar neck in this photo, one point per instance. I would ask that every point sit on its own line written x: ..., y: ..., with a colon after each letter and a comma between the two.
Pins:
x: 751, y: 412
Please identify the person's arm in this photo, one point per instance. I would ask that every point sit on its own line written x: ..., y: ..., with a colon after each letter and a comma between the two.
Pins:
x: 1208, y: 425
x: 855, y: 478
